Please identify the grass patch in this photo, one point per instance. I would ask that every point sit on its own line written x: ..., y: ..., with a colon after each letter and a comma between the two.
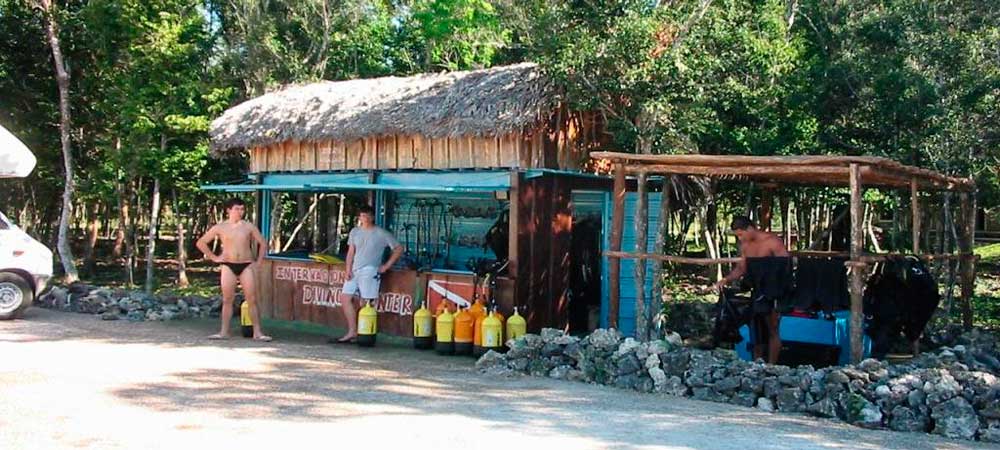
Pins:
x: 989, y: 253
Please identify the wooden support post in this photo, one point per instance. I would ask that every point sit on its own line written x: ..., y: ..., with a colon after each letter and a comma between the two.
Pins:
x: 786, y: 227
x: 856, y: 282
x: 615, y: 244
x: 766, y: 208
x: 513, y: 244
x: 915, y: 211
x: 967, y: 261
x: 641, y: 230
x: 656, y: 303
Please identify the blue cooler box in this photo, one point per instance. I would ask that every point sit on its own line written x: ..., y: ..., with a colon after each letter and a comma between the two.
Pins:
x: 811, y: 332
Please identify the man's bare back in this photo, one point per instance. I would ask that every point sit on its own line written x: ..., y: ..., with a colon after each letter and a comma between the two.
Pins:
x: 762, y: 245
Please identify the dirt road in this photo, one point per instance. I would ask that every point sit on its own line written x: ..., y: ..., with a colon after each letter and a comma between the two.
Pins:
x: 70, y: 381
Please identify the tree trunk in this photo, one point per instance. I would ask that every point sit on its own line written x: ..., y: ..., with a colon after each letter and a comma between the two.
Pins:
x: 154, y: 217
x: 93, y: 227
x: 182, y: 278
x: 62, y: 79
x: 340, y: 220
x: 275, y: 223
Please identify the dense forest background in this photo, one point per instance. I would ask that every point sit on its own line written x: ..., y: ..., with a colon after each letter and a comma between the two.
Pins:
x: 912, y: 80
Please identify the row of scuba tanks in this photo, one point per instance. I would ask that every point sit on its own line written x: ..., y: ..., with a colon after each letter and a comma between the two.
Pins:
x: 466, y: 331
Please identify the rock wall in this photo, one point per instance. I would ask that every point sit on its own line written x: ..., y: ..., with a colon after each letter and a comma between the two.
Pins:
x: 954, y: 391
x: 136, y: 306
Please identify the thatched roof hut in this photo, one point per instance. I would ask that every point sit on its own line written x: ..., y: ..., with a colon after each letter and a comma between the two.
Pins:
x: 500, y: 114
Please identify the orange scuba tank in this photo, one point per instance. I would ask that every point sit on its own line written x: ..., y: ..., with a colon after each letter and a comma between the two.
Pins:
x: 464, y: 324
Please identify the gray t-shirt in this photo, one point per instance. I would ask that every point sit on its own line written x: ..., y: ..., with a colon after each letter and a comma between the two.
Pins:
x: 369, y: 245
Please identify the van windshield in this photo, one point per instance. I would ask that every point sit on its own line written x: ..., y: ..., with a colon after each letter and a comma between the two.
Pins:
x: 4, y: 224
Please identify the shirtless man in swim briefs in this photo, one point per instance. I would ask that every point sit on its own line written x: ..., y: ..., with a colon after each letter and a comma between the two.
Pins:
x: 236, y: 262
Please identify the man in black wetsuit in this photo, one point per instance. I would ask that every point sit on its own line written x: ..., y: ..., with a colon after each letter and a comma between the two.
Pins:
x: 767, y: 254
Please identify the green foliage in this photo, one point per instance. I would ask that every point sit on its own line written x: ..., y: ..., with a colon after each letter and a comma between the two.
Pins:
x: 988, y: 253
x: 456, y: 34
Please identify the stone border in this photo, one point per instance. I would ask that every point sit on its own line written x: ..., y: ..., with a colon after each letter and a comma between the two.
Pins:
x: 954, y: 392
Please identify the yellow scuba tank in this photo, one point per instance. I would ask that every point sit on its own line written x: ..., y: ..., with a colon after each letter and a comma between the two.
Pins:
x: 246, y: 322
x: 516, y: 326
x: 445, y: 328
x: 464, y: 324
x: 492, y: 333
x: 367, y: 325
x: 423, y: 328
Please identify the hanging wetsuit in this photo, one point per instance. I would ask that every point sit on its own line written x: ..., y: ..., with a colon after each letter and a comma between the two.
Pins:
x: 821, y: 283
x: 771, y: 281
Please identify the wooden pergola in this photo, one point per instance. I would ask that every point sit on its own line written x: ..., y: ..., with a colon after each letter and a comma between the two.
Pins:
x: 855, y: 172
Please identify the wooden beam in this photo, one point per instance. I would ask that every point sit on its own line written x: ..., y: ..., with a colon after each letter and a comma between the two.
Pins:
x: 862, y: 260
x: 614, y: 255
x: 884, y: 165
x: 615, y: 244
x: 856, y: 282
x: 641, y: 230
x: 915, y: 211
x: 967, y: 264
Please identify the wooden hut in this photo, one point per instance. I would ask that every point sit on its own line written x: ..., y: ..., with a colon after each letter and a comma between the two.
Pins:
x: 497, y: 137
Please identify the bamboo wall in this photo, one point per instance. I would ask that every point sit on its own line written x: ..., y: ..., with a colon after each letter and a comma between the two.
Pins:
x: 564, y: 143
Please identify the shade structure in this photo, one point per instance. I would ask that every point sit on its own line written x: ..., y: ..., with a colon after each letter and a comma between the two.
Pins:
x: 16, y: 161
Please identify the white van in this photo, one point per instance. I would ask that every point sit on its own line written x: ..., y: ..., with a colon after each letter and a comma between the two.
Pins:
x: 25, y: 264
x: 25, y: 269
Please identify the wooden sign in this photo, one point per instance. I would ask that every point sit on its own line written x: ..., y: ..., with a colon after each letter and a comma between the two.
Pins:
x: 311, y: 292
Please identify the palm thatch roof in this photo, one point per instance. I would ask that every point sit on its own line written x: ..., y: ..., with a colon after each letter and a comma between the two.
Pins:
x: 489, y: 102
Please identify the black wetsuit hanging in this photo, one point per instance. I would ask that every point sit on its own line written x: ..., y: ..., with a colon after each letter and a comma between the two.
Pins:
x: 771, y: 280
x: 822, y: 283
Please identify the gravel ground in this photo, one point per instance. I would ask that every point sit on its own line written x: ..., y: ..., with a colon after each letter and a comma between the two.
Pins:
x: 70, y: 381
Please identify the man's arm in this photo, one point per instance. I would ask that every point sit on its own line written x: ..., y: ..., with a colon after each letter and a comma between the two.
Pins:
x: 350, y: 261
x: 397, y: 251
x: 735, y: 274
x: 202, y: 243
x: 261, y: 245
x: 778, y: 247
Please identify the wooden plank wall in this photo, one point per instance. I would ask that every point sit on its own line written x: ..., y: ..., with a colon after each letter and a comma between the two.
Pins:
x: 564, y: 143
x: 395, y: 153
x: 544, y: 235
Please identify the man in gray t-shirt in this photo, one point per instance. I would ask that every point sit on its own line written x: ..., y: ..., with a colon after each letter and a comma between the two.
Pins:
x: 365, y: 246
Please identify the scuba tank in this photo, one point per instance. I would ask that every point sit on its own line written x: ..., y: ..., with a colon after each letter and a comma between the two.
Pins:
x: 445, y: 328
x: 367, y: 325
x: 478, y: 312
x: 464, y: 324
x: 492, y: 333
x: 516, y: 326
x: 246, y: 322
x: 423, y: 327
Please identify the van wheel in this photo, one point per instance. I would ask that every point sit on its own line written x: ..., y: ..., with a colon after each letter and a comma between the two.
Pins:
x: 15, y: 296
